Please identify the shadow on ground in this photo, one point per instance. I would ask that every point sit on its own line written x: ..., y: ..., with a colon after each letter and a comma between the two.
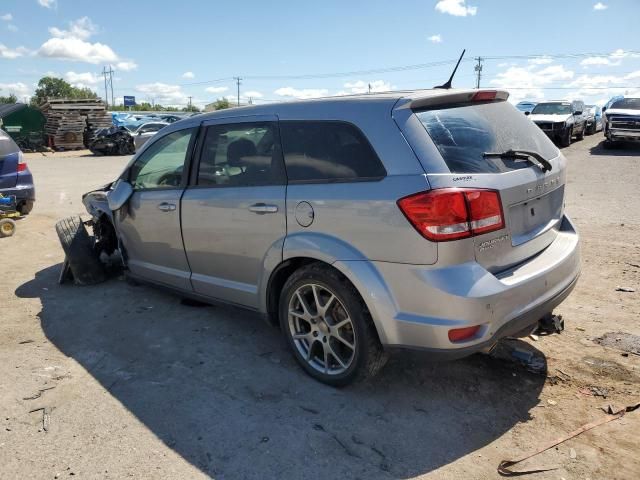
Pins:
x: 218, y: 386
x: 619, y: 149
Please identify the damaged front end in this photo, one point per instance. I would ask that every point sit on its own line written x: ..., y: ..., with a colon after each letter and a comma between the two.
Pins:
x: 113, y: 141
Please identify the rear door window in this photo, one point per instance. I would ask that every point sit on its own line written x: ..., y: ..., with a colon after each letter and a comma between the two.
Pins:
x: 327, y: 151
x: 463, y: 133
x: 241, y: 155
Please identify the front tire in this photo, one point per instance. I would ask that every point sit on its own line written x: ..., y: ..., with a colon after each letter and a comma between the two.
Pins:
x: 326, y: 325
x: 565, y: 140
x: 78, y: 247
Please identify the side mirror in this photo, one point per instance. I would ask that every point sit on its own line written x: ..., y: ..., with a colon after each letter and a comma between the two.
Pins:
x: 604, y: 109
x: 577, y: 113
x: 121, y: 192
x: 527, y: 113
x: 139, y: 133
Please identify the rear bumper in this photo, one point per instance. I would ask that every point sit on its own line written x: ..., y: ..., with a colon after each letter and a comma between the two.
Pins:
x: 25, y: 196
x: 417, y: 305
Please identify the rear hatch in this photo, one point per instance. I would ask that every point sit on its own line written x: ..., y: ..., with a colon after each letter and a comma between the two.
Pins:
x: 9, y: 157
x: 531, y: 199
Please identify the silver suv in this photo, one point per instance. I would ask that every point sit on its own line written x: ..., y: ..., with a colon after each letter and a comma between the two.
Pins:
x: 429, y: 219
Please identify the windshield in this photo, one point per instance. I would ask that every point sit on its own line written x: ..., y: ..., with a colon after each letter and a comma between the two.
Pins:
x: 552, y: 109
x: 464, y: 134
x: 627, y: 103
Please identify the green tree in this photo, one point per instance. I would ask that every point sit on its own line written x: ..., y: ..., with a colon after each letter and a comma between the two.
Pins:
x: 52, y: 87
x: 221, y: 104
x: 10, y: 99
x: 191, y: 108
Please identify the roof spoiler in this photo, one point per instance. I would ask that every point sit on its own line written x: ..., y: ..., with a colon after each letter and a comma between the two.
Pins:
x: 458, y: 96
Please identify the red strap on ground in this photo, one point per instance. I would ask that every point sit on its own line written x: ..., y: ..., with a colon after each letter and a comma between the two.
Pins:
x: 504, y: 467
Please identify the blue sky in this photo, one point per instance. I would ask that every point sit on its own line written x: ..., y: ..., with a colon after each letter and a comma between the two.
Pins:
x: 167, y: 51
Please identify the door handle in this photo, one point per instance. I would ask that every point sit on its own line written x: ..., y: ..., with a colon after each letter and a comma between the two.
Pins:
x: 166, y: 207
x: 262, y: 208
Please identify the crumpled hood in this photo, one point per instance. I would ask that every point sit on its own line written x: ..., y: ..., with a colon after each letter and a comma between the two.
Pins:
x: 549, y: 118
x: 623, y: 111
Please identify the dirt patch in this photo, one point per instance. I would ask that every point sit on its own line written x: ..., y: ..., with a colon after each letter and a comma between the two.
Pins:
x: 626, y: 342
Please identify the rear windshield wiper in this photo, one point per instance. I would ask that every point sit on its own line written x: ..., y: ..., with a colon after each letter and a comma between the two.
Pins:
x: 533, y: 157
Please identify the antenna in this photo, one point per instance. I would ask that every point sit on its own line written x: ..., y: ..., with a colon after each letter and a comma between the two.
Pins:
x: 447, y: 86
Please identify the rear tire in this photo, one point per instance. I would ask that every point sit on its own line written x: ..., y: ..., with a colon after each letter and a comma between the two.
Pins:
x: 78, y: 247
x: 7, y: 227
x: 332, y: 354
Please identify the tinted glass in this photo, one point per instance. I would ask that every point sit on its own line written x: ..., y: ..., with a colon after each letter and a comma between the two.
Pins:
x: 628, y: 103
x: 241, y: 154
x: 328, y: 151
x: 463, y: 134
x: 162, y: 164
x: 552, y: 109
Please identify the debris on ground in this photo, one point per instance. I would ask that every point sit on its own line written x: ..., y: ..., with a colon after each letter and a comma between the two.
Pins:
x: 599, y: 391
x: 551, y: 323
x: 516, y: 351
x: 625, y: 342
x: 625, y: 289
x: 504, y: 468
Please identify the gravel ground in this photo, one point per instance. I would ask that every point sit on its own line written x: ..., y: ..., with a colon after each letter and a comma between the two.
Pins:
x: 115, y: 381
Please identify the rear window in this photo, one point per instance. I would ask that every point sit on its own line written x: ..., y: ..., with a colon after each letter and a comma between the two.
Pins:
x: 328, y: 151
x: 463, y: 133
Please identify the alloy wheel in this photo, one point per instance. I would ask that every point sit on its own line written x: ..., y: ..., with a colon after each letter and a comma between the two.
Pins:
x: 321, y: 329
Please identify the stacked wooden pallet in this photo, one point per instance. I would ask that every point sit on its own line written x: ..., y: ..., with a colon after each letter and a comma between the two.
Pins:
x: 71, y: 123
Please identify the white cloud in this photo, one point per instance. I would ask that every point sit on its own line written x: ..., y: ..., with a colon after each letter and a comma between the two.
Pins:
x: 126, y: 66
x: 19, y: 89
x: 188, y: 75
x: 632, y: 75
x: 48, y: 3
x: 540, y: 61
x: 216, y: 89
x: 600, y: 6
x: 10, y: 54
x: 252, y: 94
x: 163, y: 93
x: 82, y: 28
x: 589, y: 61
x: 529, y: 82
x: 304, y: 93
x: 435, y: 38
x: 73, y: 44
x: 457, y: 8
x: 7, y: 17
x: 363, y: 87
x: 78, y: 50
x: 81, y: 80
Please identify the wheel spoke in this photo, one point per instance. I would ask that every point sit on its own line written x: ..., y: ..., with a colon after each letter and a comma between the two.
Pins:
x: 316, y: 299
x: 335, y: 355
x: 300, y: 315
x: 342, y: 323
x: 310, y: 348
x: 326, y: 357
x: 327, y: 305
x: 338, y: 337
x: 305, y: 307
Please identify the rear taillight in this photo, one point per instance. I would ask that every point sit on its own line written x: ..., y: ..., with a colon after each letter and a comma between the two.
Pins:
x: 451, y: 213
x: 22, y: 165
x: 462, y: 334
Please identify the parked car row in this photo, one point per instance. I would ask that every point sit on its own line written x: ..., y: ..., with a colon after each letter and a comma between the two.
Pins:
x: 121, y: 140
x: 560, y: 120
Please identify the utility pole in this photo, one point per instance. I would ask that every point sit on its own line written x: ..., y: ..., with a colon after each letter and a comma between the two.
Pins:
x: 108, y: 82
x: 190, y: 102
x: 478, y: 69
x: 369, y: 88
x: 238, y: 83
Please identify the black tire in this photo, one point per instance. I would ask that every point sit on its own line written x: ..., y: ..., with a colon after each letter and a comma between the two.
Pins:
x: 7, y: 227
x: 565, y: 141
x: 78, y: 247
x: 369, y: 356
